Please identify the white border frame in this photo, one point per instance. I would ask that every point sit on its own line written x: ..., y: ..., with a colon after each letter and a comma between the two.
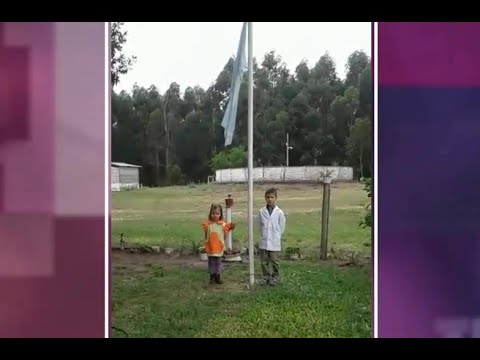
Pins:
x: 375, y: 180
x: 107, y: 182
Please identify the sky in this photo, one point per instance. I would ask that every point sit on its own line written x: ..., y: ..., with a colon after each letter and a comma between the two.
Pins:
x: 194, y: 53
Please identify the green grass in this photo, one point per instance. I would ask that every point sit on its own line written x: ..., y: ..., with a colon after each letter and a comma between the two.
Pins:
x: 166, y: 217
x: 157, y: 296
x: 175, y: 301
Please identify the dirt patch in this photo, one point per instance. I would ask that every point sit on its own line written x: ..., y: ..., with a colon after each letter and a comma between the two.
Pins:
x: 123, y: 258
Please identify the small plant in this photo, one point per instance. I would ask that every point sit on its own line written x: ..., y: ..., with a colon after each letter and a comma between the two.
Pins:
x: 325, y: 176
x: 196, y: 247
x: 366, y: 222
x: 367, y: 182
x: 183, y: 247
x: 122, y: 242
x: 293, y: 253
x: 145, y: 249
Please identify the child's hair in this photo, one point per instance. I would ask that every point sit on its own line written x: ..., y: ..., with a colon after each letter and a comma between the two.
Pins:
x: 271, y: 191
x: 215, y: 207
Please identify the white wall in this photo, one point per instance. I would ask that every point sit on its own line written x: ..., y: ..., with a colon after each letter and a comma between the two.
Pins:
x: 281, y: 174
x: 120, y: 187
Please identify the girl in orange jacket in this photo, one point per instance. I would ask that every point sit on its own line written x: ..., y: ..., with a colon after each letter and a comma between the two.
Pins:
x: 215, y: 229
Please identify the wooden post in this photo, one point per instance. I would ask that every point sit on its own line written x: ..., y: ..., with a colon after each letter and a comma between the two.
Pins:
x: 228, y: 206
x: 325, y: 215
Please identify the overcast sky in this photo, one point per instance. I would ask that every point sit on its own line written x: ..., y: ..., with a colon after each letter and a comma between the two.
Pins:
x: 194, y: 53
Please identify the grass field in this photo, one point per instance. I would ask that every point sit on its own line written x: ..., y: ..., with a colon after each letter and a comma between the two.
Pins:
x: 170, y: 216
x: 160, y: 296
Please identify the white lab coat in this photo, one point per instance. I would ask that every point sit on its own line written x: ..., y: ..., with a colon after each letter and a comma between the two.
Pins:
x: 271, y: 228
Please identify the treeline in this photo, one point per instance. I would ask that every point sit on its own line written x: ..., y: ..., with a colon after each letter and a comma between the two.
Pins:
x: 177, y: 137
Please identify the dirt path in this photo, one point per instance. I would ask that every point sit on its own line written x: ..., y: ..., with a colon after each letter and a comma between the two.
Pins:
x: 141, y: 260
x: 123, y: 258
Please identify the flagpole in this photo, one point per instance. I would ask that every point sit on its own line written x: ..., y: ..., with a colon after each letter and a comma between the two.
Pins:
x: 250, y: 156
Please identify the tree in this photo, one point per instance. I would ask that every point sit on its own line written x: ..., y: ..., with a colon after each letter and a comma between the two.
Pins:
x: 193, y: 146
x: 302, y: 72
x: 171, y: 104
x: 154, y: 135
x: 356, y: 63
x: 178, y: 137
x: 325, y: 69
x: 120, y: 64
x: 365, y: 92
x: 359, y: 145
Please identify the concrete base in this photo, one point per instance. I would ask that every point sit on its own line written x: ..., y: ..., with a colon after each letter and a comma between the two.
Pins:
x: 123, y: 187
x: 232, y: 258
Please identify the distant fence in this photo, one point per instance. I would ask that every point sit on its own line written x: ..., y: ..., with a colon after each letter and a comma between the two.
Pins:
x: 284, y: 174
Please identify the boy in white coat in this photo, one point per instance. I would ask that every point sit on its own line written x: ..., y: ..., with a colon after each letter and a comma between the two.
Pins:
x: 272, y: 226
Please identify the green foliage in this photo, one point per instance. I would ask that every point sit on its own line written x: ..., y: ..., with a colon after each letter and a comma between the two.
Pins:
x: 366, y: 222
x: 359, y: 146
x: 356, y: 64
x: 176, y: 176
x: 231, y: 158
x: 120, y: 64
x: 323, y: 115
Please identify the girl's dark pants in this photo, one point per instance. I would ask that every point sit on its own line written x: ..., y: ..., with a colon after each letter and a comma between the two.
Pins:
x: 214, y: 265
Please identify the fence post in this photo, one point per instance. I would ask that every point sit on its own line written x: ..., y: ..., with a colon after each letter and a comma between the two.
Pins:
x: 325, y: 215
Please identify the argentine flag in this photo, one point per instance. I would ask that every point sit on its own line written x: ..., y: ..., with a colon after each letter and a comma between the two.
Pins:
x: 240, y: 65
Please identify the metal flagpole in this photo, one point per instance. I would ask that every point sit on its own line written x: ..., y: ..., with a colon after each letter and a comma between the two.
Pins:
x: 250, y: 156
x: 288, y: 148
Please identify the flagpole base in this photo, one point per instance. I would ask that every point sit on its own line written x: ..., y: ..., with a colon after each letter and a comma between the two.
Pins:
x: 232, y: 258
x: 251, y: 280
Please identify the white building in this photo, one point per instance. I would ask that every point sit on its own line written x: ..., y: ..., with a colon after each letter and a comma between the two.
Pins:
x: 125, y: 176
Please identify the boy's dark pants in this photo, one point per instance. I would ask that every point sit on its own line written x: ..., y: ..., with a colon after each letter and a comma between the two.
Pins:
x: 270, y: 257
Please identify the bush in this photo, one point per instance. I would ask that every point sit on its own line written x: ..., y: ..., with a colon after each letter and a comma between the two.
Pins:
x: 231, y: 158
x: 176, y: 176
x: 366, y: 222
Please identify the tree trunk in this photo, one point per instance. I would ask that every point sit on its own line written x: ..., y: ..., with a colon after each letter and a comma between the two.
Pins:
x: 214, y: 135
x: 167, y: 139
x: 156, y: 167
x: 361, y: 161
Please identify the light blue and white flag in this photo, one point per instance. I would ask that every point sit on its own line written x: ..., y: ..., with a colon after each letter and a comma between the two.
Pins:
x: 239, y: 67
